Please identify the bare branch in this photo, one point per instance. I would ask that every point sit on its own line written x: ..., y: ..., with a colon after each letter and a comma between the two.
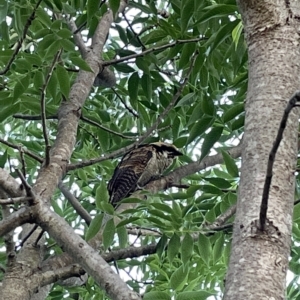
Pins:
x: 9, y: 185
x: 77, y: 36
x: 29, y: 153
x: 43, y: 106
x: 28, y: 188
x: 126, y: 106
x: 91, y: 261
x: 22, y: 38
x: 33, y: 117
x: 265, y: 197
x: 154, y: 49
x: 16, y: 200
x: 75, y: 203
x: 105, y: 128
x: 51, y: 276
x: 18, y: 218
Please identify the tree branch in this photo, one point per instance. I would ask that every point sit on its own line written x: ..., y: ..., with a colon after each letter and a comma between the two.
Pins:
x: 84, y: 254
x: 16, y: 200
x: 265, y: 196
x: 75, y: 203
x: 105, y: 128
x: 154, y: 49
x: 43, y: 106
x: 29, y: 153
x: 18, y: 218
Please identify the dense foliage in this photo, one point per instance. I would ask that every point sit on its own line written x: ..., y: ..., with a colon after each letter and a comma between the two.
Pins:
x: 181, y: 70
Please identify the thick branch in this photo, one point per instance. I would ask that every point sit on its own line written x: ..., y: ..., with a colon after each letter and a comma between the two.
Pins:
x: 84, y: 254
x: 18, y: 218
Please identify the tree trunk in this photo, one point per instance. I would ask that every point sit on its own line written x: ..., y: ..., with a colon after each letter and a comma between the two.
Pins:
x: 259, y: 260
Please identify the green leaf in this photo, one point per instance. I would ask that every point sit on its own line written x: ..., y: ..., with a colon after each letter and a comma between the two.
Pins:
x: 296, y: 213
x: 3, y: 159
x: 79, y: 62
x: 146, y: 84
x: 108, y: 233
x: 21, y: 86
x: 101, y: 194
x: 221, y: 183
x: 9, y: 111
x: 237, y: 32
x: 218, y: 249
x: 199, y: 128
x: 211, y: 138
x: 94, y: 227
x: 154, y: 36
x: 133, y: 85
x: 195, y: 295
x: 173, y: 247
x: 187, y: 248
x: 156, y: 295
x: 124, y: 68
x: 204, y: 248
x: 230, y: 164
x: 217, y: 11
x: 64, y: 80
x: 233, y: 111
x: 3, y: 10
x: 161, y: 245
x: 114, y: 5
x: 187, y: 99
x: 187, y: 9
x: 92, y: 8
x: 208, y: 107
x: 123, y: 236
x: 179, y: 278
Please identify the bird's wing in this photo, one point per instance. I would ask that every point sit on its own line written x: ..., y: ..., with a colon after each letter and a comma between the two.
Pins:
x: 127, y: 173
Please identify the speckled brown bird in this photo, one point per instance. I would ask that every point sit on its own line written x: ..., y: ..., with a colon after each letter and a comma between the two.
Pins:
x: 138, y: 167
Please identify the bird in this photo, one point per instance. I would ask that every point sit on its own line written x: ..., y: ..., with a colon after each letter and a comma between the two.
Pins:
x: 138, y: 167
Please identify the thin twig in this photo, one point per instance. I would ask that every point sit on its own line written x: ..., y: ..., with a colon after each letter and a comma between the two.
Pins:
x: 135, y: 34
x: 105, y: 128
x: 23, y: 161
x: 53, y: 117
x: 28, y: 188
x: 43, y: 106
x: 29, y: 153
x: 33, y: 229
x: 143, y: 53
x: 33, y: 117
x: 22, y: 38
x: 265, y: 196
x: 124, y: 103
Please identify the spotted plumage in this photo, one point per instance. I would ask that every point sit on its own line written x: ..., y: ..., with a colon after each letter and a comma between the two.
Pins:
x: 138, y: 167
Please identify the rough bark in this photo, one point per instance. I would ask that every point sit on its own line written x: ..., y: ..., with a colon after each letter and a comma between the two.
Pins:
x: 259, y: 260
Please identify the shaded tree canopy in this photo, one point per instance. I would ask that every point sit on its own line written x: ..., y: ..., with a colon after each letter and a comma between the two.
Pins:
x: 84, y: 82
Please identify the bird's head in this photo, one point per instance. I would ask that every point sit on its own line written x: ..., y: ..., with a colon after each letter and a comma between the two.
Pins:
x: 168, y: 150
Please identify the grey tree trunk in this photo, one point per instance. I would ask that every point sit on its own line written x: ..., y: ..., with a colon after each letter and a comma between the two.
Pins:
x: 259, y: 260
